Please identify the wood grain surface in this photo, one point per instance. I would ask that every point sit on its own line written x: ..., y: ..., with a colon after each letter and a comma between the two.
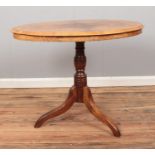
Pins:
x: 74, y: 30
x: 132, y: 108
x: 76, y: 39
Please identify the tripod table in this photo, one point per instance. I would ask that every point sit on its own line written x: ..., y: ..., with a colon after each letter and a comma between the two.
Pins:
x: 78, y: 31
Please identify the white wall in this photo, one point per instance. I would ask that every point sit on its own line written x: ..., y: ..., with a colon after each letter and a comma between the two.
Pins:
x: 133, y: 56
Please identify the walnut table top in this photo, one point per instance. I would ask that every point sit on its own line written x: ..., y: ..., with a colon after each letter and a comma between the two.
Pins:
x: 77, y: 30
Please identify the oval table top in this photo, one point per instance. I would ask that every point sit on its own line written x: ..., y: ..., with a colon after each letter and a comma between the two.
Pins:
x: 77, y: 30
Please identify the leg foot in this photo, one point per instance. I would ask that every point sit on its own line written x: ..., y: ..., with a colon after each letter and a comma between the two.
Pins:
x: 59, y: 110
x: 89, y: 102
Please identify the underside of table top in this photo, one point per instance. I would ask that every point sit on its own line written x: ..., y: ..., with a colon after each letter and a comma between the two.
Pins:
x: 77, y: 30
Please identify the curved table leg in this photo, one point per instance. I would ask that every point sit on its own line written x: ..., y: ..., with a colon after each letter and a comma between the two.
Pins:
x: 89, y: 102
x: 59, y: 110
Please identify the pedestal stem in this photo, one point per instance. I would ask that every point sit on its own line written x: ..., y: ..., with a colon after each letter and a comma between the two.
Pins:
x: 80, y: 78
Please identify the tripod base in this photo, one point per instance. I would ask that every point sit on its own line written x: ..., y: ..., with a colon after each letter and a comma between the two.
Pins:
x: 87, y: 99
x: 80, y: 92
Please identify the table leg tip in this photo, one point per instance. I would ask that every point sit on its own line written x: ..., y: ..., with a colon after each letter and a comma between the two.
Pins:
x: 37, y: 125
x: 117, y: 134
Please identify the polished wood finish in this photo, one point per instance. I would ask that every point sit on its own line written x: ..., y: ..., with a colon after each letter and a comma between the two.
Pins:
x: 132, y: 108
x: 77, y: 39
x: 79, y: 93
x: 77, y: 30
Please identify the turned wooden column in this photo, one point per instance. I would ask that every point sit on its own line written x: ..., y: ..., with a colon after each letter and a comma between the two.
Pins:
x: 80, y: 77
